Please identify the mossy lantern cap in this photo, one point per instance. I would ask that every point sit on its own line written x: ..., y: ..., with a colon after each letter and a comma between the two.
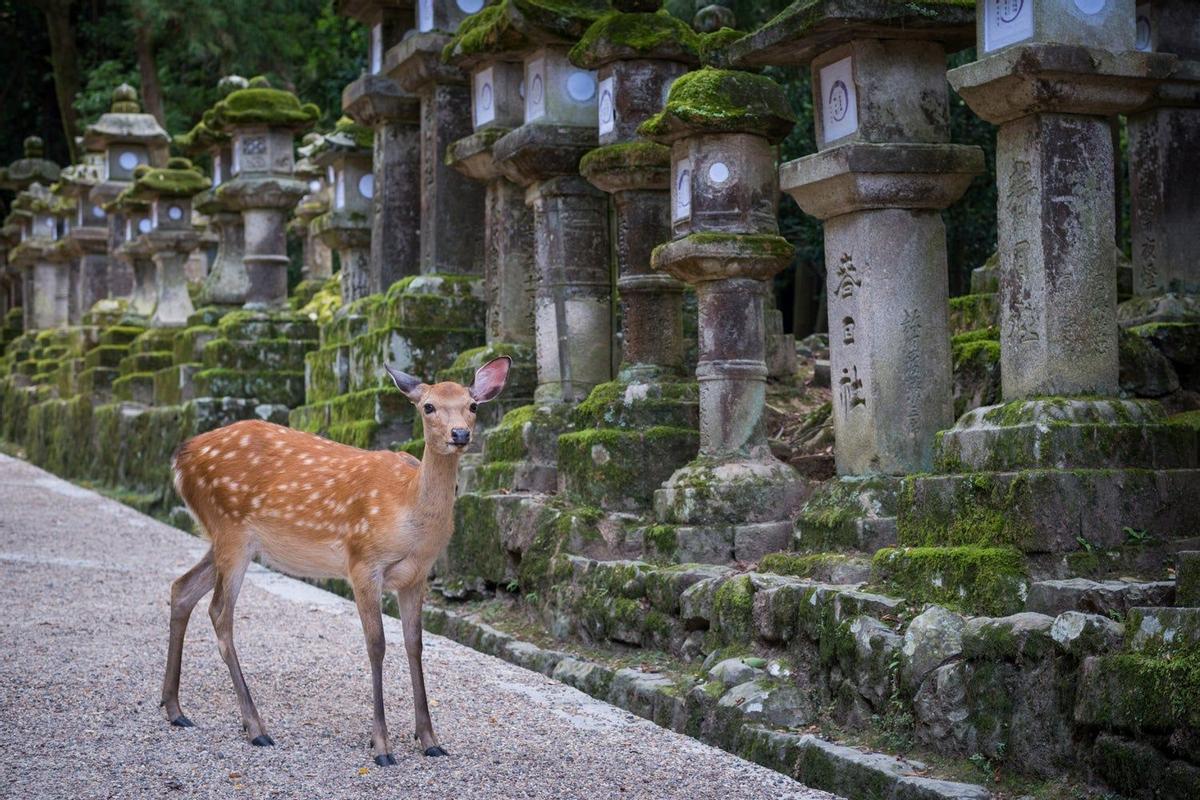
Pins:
x: 178, y: 179
x: 621, y: 36
x: 515, y: 26
x: 259, y: 104
x: 722, y: 101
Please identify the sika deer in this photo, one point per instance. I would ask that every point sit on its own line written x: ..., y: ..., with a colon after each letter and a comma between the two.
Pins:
x: 315, y: 508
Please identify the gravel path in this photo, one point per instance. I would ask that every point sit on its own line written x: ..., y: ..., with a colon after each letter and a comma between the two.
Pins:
x: 83, y: 630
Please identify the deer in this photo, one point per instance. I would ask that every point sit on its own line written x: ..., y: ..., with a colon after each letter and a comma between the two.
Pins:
x: 313, y: 508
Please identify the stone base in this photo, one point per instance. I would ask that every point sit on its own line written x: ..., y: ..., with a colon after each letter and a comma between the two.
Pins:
x: 736, y: 492
x: 849, y: 513
x: 519, y: 454
x: 1062, y: 433
x: 1160, y: 308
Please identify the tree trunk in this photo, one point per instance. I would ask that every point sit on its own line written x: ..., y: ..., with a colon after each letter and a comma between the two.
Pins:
x: 64, y: 60
x: 152, y: 99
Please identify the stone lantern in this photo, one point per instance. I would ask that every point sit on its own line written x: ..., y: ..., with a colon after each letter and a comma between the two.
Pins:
x: 573, y: 299
x: 227, y: 282
x: 1063, y: 457
x: 87, y: 233
x: 172, y: 237
x: 883, y: 172
x: 497, y: 106
x: 451, y: 238
x: 317, y: 262
x: 637, y: 56
x: 262, y: 123
x: 378, y: 102
x: 47, y: 285
x: 133, y: 253
x: 1164, y: 187
x: 129, y: 139
x: 22, y: 174
x: 346, y: 227
x: 735, y: 500
x: 63, y: 256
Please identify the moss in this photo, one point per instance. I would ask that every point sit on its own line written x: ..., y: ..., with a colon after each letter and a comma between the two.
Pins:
x: 263, y: 106
x: 1149, y: 691
x: 635, y: 155
x: 982, y: 350
x: 361, y: 135
x: 980, y: 512
x: 1189, y: 420
x: 629, y: 36
x: 751, y: 245
x: 733, y: 607
x: 476, y: 549
x: 985, y: 580
x: 661, y: 540
x: 711, y: 44
x: 200, y: 139
x: 722, y: 101
x: 799, y: 565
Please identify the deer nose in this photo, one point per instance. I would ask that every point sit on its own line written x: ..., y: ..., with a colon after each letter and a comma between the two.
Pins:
x: 460, y: 436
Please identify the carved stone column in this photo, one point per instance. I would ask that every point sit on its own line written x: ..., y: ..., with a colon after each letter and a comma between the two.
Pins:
x: 346, y: 227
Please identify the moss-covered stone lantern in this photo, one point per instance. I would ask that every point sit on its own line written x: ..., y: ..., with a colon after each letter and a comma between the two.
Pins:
x: 346, y: 227
x: 227, y: 282
x: 128, y: 139
x: 317, y: 262
x: 33, y: 168
x: 263, y: 122
x: 636, y: 56
x: 172, y: 237
x: 1164, y: 185
x: 88, y: 232
x: 451, y: 238
x: 44, y: 264
x: 497, y: 106
x: 378, y: 102
x: 573, y: 299
x: 735, y: 500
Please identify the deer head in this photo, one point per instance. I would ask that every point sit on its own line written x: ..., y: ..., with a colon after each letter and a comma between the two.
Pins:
x: 448, y: 409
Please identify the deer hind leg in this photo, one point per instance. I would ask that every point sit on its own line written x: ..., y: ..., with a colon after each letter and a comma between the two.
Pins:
x: 228, y: 584
x: 185, y: 593
x: 410, y: 616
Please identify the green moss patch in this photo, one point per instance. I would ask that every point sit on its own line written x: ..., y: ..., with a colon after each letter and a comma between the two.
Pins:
x: 630, y: 36
x: 722, y: 101
x: 263, y: 106
x: 980, y: 580
x: 635, y: 155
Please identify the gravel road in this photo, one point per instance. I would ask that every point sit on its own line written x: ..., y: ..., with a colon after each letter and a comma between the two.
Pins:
x: 84, y: 588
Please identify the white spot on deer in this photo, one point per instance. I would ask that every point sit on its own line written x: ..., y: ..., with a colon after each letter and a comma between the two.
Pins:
x: 245, y: 440
x: 374, y: 510
x: 255, y: 502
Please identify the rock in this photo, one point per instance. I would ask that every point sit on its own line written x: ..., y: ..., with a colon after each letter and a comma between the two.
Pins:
x: 761, y: 701
x: 696, y: 604
x: 1187, y: 578
x: 1145, y: 371
x: 932, y: 637
x: 1097, y: 597
x: 1086, y: 634
x: 1024, y: 636
x: 940, y: 706
x: 585, y: 676
x: 875, y: 645
x: 1158, y: 629
x: 733, y: 671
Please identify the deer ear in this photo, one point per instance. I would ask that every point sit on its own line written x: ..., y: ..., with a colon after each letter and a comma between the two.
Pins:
x: 489, y: 379
x: 412, y: 387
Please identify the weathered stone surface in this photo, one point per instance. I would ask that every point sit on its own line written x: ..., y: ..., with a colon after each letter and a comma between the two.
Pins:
x: 762, y: 701
x: 734, y: 671
x: 1025, y: 635
x: 1151, y: 630
x: 1084, y: 635
x: 931, y: 638
x: 1097, y: 597
x: 1187, y: 578
x: 943, y: 711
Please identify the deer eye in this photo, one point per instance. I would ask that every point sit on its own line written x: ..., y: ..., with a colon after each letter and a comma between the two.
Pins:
x: 429, y: 408
x: 473, y: 407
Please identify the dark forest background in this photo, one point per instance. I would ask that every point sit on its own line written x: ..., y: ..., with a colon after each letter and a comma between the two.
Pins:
x: 65, y: 56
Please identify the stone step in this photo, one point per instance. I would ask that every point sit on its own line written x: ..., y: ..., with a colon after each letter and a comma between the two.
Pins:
x: 259, y: 354
x: 175, y: 384
x: 1108, y: 598
x: 137, y: 387
x: 253, y: 325
x: 145, y: 361
x: 280, y: 387
x: 620, y: 469
x: 418, y: 351
x: 106, y: 355
x: 190, y: 342
x: 120, y: 334
x: 738, y: 718
x: 154, y: 340
x: 848, y: 514
x: 837, y: 567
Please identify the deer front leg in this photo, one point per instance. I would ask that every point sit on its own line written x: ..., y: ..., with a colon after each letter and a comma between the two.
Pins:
x: 366, y: 597
x: 185, y: 593
x: 225, y: 594
x: 410, y: 616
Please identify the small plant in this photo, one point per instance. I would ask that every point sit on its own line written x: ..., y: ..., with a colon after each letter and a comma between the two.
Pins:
x: 981, y: 763
x: 1088, y: 547
x: 512, y: 587
x: 1135, y: 536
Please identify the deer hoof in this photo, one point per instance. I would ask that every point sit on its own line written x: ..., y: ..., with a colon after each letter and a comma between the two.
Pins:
x: 262, y: 740
x: 183, y: 722
x: 386, y: 760
x: 435, y: 751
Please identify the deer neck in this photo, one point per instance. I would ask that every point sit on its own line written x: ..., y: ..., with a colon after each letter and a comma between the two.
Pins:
x: 438, y: 480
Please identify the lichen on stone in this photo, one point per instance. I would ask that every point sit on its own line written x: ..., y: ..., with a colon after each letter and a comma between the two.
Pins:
x: 722, y: 101
x: 627, y: 155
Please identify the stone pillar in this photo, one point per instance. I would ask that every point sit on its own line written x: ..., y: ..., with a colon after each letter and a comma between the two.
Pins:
x: 1164, y: 186
x: 376, y: 101
x: 883, y: 172
x: 637, y: 173
x: 128, y: 139
x: 1054, y: 166
x: 736, y: 500
x: 88, y: 232
x: 451, y: 238
x: 346, y: 227
x: 508, y: 269
x: 134, y: 251
x: 317, y: 261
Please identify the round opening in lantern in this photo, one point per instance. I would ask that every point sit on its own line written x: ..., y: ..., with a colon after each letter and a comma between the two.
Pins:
x: 469, y: 6
x: 175, y: 213
x: 581, y: 86
x: 97, y: 212
x: 144, y: 226
x: 366, y: 186
x: 127, y: 160
x: 718, y: 172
